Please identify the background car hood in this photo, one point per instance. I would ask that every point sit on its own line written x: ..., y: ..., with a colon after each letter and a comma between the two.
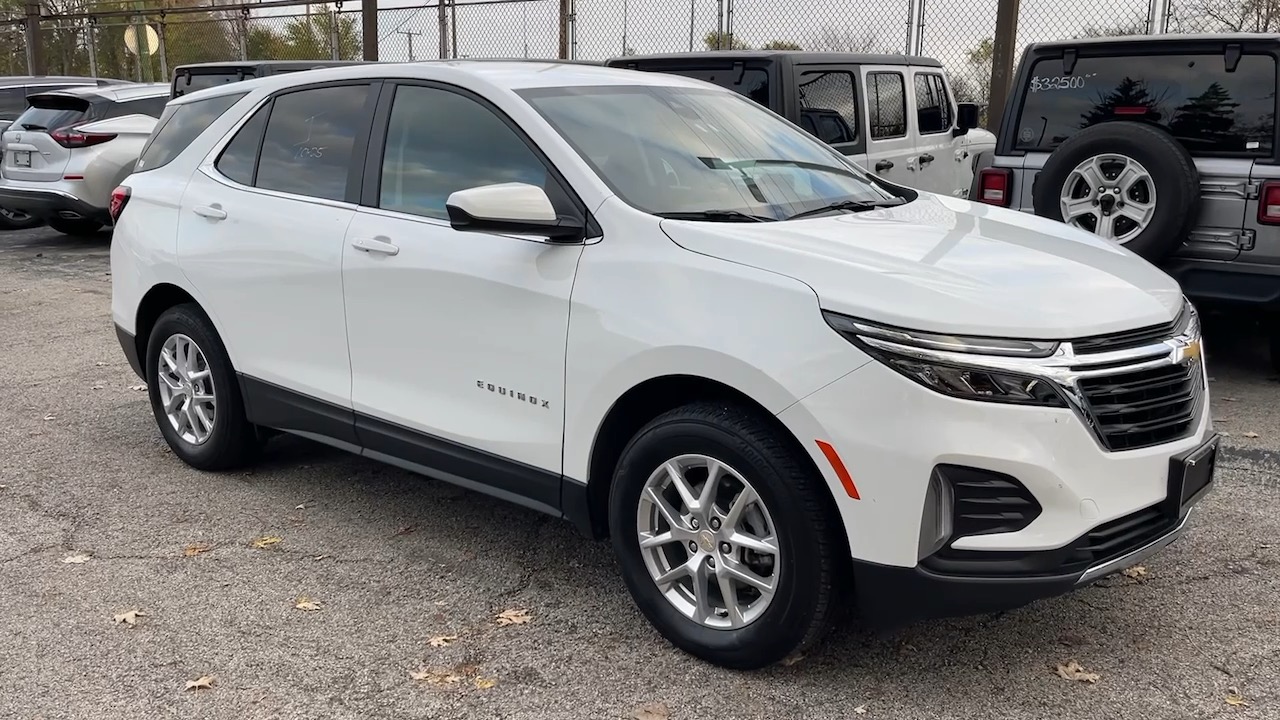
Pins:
x: 949, y: 265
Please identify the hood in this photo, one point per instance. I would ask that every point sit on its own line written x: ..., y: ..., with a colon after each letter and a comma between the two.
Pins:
x: 947, y: 265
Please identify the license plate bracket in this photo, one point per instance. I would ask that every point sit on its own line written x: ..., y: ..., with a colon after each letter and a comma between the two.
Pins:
x: 22, y: 158
x: 1191, y: 476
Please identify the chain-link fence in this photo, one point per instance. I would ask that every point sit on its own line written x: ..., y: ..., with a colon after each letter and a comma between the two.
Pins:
x: 960, y: 33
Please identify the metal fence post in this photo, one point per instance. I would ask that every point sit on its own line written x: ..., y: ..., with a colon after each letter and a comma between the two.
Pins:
x: 164, y: 60
x: 564, y: 29
x: 35, y: 53
x: 369, y: 30
x: 1158, y: 17
x: 242, y: 22
x: 334, y: 40
x: 92, y: 33
x: 1002, y: 50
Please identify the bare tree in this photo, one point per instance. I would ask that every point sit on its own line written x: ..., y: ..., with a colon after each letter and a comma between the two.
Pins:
x: 847, y: 40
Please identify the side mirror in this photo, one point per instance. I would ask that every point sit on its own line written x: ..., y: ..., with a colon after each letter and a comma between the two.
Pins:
x: 967, y: 117
x: 510, y: 208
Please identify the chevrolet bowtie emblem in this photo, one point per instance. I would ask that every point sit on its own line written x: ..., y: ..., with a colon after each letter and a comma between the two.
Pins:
x: 1190, y: 351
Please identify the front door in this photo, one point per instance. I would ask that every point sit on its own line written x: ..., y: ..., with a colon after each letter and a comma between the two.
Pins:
x: 935, y: 113
x: 891, y: 145
x: 457, y: 338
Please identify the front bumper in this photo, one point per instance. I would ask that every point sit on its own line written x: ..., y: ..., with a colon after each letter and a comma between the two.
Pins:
x: 54, y: 202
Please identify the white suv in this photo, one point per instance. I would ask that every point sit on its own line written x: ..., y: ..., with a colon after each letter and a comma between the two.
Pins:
x: 652, y: 307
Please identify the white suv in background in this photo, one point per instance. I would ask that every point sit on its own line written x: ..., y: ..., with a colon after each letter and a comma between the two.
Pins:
x: 650, y: 306
x: 65, y: 154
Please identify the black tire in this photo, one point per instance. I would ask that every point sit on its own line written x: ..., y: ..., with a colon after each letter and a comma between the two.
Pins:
x: 233, y: 441
x: 78, y: 228
x: 1177, y: 183
x: 1273, y: 342
x: 18, y: 220
x: 812, y: 551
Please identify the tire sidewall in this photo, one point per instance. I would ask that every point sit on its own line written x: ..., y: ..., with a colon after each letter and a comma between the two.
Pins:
x: 182, y: 320
x: 798, y: 577
x: 1171, y: 169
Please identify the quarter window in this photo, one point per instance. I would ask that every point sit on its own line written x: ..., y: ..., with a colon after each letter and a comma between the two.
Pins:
x: 240, y: 158
x: 829, y: 106
x: 439, y: 142
x: 309, y: 138
x: 887, y: 105
x: 178, y: 126
x: 1192, y: 96
x: 933, y: 107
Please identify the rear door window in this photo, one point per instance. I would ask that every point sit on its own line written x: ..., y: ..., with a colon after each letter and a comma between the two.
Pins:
x: 887, y: 105
x: 1209, y: 110
x: 309, y: 141
x: 13, y: 100
x: 178, y: 126
x: 829, y: 106
x: 933, y: 106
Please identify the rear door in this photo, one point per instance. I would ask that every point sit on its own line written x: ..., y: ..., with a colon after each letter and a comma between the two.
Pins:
x: 891, y: 145
x: 829, y: 107
x: 30, y: 151
x: 935, y: 113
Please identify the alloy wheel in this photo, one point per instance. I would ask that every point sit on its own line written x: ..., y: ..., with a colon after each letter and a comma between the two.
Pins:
x: 186, y: 389
x: 1110, y: 195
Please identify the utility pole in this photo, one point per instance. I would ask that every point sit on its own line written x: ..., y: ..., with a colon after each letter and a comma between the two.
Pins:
x: 564, y: 29
x: 369, y: 30
x: 453, y: 25
x: 35, y: 52
x: 1002, y: 49
x: 444, y: 28
x: 409, y: 34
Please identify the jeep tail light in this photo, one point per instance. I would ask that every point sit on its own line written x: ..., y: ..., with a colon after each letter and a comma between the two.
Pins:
x: 119, y: 198
x: 1269, y: 203
x: 69, y: 137
x: 993, y: 186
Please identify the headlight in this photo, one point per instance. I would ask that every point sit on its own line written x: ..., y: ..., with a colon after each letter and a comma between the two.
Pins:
x: 909, y: 353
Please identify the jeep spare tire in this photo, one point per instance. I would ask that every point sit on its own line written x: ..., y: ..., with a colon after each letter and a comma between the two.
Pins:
x: 1124, y: 181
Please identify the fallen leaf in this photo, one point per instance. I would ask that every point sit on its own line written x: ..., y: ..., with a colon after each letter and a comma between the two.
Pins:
x: 77, y: 559
x: 1137, y: 572
x: 100, y: 364
x: 1229, y: 399
x: 96, y: 387
x: 300, y: 507
x: 652, y: 711
x: 129, y: 618
x: 860, y: 710
x: 442, y: 640
x: 50, y: 417
x: 137, y: 387
x: 1251, y: 435
x: 201, y: 683
x: 318, y: 558
x: 1074, y: 671
x: 792, y: 659
x: 196, y: 548
x: 436, y: 677
x: 266, y: 541
x: 307, y: 604
x: 404, y: 530
x: 485, y: 683
x: 513, y: 616
x: 1234, y: 698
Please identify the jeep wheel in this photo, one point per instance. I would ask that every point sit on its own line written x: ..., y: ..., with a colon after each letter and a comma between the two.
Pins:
x: 725, y: 536
x: 1124, y: 181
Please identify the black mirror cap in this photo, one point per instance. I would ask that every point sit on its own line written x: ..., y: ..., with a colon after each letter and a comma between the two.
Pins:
x: 561, y: 230
x: 967, y: 117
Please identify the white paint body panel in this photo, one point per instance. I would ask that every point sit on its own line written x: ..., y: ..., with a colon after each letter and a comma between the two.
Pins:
x: 737, y: 303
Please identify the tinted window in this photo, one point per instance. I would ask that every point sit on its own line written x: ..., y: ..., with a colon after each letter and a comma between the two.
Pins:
x: 439, y: 142
x: 830, y: 101
x: 933, y: 107
x: 51, y: 113
x: 887, y: 105
x: 751, y: 82
x: 1205, y: 107
x: 13, y: 100
x: 307, y: 149
x: 240, y: 156
x: 153, y: 107
x: 178, y: 126
x: 184, y: 84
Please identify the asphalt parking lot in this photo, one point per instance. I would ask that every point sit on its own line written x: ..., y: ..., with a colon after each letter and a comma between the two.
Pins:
x: 98, y: 519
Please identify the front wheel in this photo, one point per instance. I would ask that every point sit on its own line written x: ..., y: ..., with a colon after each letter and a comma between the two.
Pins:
x: 725, y: 535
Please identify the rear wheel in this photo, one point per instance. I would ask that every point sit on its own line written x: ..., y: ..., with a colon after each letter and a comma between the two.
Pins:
x: 725, y: 536
x: 194, y: 393
x: 81, y: 228
x: 17, y: 220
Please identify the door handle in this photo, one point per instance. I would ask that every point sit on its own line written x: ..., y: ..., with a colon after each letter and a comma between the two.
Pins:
x: 925, y: 159
x: 884, y: 165
x: 379, y: 244
x: 213, y: 212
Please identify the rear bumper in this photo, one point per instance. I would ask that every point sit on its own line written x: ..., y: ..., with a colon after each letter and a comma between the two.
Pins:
x: 1233, y: 282
x: 49, y: 203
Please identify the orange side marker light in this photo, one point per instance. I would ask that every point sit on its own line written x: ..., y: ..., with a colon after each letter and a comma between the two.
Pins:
x: 841, y: 471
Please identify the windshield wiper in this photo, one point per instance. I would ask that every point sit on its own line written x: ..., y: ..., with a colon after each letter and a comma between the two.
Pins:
x: 715, y: 216
x: 33, y: 127
x: 850, y: 205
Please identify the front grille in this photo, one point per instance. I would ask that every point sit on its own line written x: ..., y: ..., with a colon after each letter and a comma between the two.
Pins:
x: 1108, y: 542
x: 1144, y: 408
x: 1149, y: 335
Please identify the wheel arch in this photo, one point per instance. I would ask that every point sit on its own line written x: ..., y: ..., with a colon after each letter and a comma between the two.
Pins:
x: 640, y: 404
x: 159, y: 298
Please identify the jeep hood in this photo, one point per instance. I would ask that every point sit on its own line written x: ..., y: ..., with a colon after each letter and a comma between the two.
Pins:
x: 952, y: 266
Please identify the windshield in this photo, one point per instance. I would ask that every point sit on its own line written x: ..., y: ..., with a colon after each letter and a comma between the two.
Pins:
x: 684, y: 151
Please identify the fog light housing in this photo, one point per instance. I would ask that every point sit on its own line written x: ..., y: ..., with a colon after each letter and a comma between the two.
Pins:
x: 935, y: 520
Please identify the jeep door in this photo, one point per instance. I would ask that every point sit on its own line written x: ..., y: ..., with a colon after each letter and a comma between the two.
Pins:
x: 829, y: 108
x: 891, y: 142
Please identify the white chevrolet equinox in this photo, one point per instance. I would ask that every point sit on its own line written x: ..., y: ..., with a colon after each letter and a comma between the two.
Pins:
x: 780, y: 386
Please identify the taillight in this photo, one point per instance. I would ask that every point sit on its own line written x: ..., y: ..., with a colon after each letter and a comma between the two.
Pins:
x: 119, y: 198
x: 69, y: 137
x: 993, y: 186
x: 1269, y: 203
